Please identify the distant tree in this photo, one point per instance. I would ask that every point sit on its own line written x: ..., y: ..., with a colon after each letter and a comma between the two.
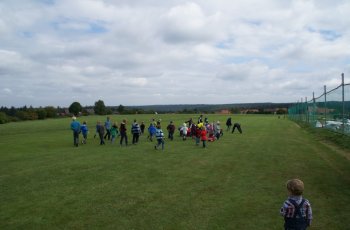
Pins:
x: 12, y: 111
x: 121, y: 109
x: 75, y: 108
x: 109, y: 111
x: 50, y: 111
x: 26, y: 115
x: 100, y: 107
x: 41, y: 113
x: 4, y: 110
x: 3, y: 118
x: 235, y: 110
x: 281, y: 111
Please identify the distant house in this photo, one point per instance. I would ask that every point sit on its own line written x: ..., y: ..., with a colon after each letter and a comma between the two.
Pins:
x: 320, y: 110
x: 276, y: 110
x: 224, y: 111
x: 245, y: 111
x: 90, y: 111
x: 323, y: 110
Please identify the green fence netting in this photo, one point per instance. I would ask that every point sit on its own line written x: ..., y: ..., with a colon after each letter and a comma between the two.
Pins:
x: 331, y: 110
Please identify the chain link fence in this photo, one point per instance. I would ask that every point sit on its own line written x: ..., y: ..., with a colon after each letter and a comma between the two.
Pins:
x: 331, y: 110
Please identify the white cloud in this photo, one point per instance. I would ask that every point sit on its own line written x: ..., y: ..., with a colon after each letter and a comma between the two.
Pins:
x: 130, y: 52
x: 188, y: 23
x: 135, y: 82
x: 7, y: 91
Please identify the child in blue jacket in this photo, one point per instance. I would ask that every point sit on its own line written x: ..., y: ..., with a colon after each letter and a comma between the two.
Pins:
x: 151, y: 131
x: 84, y: 130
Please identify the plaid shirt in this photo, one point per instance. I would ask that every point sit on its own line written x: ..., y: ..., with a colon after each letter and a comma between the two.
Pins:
x: 288, y: 208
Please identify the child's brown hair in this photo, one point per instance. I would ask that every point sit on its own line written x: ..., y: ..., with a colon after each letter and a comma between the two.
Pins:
x: 295, y: 187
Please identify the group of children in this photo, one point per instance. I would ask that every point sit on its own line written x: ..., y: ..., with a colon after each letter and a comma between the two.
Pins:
x: 202, y: 131
x: 296, y: 210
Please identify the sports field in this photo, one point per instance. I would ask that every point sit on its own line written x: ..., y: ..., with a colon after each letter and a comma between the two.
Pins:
x: 237, y: 182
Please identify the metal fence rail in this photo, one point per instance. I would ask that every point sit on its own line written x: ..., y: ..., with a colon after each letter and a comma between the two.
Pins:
x: 331, y: 110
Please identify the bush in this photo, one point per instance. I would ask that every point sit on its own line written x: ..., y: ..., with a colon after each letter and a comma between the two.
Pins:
x: 3, y: 118
x: 41, y: 114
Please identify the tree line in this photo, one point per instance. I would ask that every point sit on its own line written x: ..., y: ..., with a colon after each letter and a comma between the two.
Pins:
x: 24, y: 113
x: 99, y: 108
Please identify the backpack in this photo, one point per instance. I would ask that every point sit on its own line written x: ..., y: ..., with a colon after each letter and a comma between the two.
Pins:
x: 297, y: 222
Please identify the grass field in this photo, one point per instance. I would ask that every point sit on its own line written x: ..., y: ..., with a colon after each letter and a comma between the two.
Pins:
x: 238, y: 182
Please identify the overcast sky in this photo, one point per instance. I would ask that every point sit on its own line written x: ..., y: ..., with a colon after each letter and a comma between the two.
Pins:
x: 142, y: 52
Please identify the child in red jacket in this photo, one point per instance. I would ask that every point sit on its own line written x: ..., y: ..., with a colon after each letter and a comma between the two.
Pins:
x: 204, y: 137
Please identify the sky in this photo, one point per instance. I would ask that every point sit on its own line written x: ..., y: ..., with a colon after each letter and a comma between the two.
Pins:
x: 149, y: 52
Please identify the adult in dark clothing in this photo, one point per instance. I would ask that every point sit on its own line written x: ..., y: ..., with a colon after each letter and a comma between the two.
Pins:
x: 200, y: 119
x: 171, y: 130
x: 190, y: 122
x: 238, y: 126
x: 142, y: 127
x: 123, y: 134
x: 228, y: 123
x: 136, y: 131
x: 100, y: 129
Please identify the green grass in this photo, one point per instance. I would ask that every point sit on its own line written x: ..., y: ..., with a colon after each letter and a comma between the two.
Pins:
x: 238, y: 182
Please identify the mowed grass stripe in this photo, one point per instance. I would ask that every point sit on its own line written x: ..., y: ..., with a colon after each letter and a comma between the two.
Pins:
x: 235, y: 183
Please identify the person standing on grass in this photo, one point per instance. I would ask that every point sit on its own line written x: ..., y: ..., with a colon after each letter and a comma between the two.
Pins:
x: 296, y: 210
x: 193, y: 128
x: 136, y: 131
x: 114, y: 132
x: 171, y: 130
x: 75, y: 127
x: 200, y: 119
x: 204, y: 137
x: 151, y: 131
x: 183, y: 131
x: 159, y: 137
x: 100, y: 129
x: 84, y: 131
x: 228, y: 123
x: 123, y: 134
x: 217, y: 130
x: 190, y: 122
x: 108, y: 125
x: 142, y: 127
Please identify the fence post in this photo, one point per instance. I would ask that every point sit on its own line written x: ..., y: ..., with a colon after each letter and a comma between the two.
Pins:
x: 313, y: 108
x: 325, y: 104
x: 307, y: 110
x: 343, y: 101
x: 302, y: 109
x: 298, y: 112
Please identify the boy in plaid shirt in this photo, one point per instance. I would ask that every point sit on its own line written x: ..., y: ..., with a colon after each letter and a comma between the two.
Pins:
x: 159, y: 137
x: 296, y: 210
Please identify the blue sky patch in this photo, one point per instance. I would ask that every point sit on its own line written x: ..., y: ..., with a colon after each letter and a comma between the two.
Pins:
x: 26, y: 34
x: 79, y: 26
x: 48, y: 2
x: 329, y: 35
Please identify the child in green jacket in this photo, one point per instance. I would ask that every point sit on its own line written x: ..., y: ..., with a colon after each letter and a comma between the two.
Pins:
x: 114, y: 132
